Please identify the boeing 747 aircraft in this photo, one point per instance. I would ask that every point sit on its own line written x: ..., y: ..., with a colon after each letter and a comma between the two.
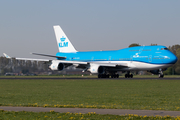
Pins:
x: 154, y: 59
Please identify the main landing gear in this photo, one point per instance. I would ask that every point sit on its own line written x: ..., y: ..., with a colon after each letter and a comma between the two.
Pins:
x: 115, y: 76
x: 108, y: 76
x: 128, y: 75
x: 103, y: 75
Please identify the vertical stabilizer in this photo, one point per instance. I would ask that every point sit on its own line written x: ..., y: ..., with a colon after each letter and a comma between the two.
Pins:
x: 63, y: 42
x: 5, y: 55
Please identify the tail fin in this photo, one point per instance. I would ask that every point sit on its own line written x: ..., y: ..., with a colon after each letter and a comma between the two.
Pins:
x: 63, y: 42
x: 5, y: 55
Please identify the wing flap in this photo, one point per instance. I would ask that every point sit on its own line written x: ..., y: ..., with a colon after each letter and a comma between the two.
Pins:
x: 72, y: 62
x: 49, y: 55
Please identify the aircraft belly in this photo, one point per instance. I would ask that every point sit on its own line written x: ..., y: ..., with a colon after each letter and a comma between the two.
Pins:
x: 146, y: 66
x: 133, y: 65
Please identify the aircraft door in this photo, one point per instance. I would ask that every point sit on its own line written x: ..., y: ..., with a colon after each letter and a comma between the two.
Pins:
x: 131, y: 58
x: 109, y: 59
x: 92, y: 58
x: 150, y: 58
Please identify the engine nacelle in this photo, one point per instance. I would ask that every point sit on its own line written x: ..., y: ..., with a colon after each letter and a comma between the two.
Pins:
x: 97, y: 69
x: 56, y: 66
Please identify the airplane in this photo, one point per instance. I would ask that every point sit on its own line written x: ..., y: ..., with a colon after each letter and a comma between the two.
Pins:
x: 106, y: 64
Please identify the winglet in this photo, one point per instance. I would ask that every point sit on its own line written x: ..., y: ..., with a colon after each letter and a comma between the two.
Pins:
x: 5, y: 55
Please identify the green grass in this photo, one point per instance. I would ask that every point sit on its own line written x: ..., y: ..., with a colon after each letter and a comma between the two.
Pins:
x: 76, y: 116
x: 156, y: 76
x: 87, y: 76
x: 107, y: 93
x: 49, y: 76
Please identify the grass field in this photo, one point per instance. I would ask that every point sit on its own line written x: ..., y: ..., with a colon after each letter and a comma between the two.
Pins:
x: 77, y: 116
x: 107, y: 93
x: 88, y: 76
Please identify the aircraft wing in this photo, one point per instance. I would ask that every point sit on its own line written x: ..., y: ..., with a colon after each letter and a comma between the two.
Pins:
x: 32, y: 59
x: 79, y: 64
x: 47, y: 60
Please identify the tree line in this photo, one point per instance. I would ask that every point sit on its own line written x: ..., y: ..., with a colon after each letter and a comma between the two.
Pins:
x: 21, y: 66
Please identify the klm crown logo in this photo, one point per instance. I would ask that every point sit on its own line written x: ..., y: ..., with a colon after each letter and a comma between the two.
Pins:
x: 62, y: 39
x: 63, y: 43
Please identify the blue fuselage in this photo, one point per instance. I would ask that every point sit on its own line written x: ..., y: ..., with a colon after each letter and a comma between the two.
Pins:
x: 145, y: 54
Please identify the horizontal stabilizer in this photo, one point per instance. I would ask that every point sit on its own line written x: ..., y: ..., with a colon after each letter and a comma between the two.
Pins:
x: 49, y: 55
x: 72, y: 62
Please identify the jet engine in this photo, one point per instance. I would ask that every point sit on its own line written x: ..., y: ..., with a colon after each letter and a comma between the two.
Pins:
x: 97, y: 69
x: 55, y: 65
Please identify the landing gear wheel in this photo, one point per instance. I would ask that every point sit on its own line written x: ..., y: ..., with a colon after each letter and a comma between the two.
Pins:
x: 128, y: 75
x: 115, y: 76
x: 161, y: 75
x: 107, y: 76
x: 103, y: 75
x: 131, y: 75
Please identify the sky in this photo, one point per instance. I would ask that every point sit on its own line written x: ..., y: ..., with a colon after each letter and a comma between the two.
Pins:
x: 91, y: 25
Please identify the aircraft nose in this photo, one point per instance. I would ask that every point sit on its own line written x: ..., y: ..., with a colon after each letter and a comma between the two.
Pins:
x: 173, y: 59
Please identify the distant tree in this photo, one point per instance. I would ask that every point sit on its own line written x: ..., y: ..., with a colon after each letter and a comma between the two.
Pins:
x: 178, y: 52
x: 174, y: 48
x: 21, y: 66
x: 177, y: 67
x: 168, y: 71
x: 153, y: 44
x: 5, y: 70
x: 134, y: 44
x: 25, y: 71
x: 34, y: 66
x: 177, y: 70
x: 29, y: 65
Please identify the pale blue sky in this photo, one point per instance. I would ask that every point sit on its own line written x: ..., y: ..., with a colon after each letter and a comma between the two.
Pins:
x: 27, y: 26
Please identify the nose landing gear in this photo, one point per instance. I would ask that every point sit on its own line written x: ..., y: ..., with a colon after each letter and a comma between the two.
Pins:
x: 161, y: 75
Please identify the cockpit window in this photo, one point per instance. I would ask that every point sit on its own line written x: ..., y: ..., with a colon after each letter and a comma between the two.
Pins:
x: 164, y: 49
